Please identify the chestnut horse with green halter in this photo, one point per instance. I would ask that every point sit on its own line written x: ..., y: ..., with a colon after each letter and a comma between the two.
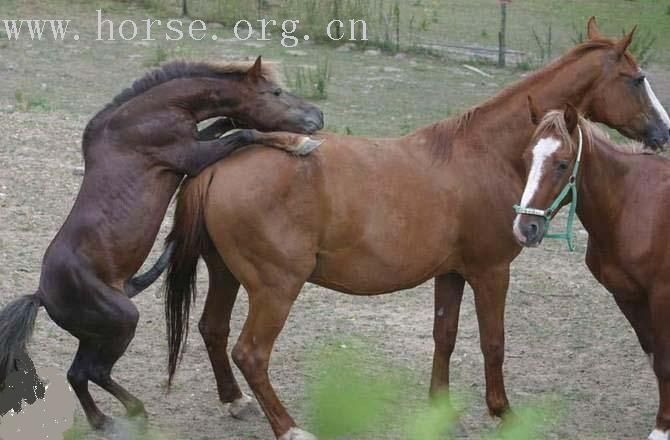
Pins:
x: 137, y: 151
x: 373, y: 216
x: 623, y: 197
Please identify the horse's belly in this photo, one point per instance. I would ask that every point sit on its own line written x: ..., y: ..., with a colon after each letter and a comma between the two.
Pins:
x: 360, y: 272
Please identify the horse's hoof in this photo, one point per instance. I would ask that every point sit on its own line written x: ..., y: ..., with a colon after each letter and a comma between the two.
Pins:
x: 306, y: 146
x: 124, y: 429
x: 243, y: 408
x: 657, y: 434
x: 102, y: 424
x: 297, y: 434
x: 137, y: 411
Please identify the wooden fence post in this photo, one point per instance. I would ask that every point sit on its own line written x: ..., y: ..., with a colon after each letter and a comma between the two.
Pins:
x: 502, y: 35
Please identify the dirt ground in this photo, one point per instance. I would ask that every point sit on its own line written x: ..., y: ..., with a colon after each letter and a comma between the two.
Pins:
x: 566, y: 339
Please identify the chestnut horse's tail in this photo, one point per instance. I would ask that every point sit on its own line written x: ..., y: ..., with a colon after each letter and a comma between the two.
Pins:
x: 17, y: 320
x: 188, y: 239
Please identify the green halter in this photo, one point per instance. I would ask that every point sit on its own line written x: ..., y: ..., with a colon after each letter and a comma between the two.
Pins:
x: 570, y: 187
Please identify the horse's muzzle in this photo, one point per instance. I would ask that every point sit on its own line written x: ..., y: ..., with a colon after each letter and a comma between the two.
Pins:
x: 529, y: 230
x: 314, y: 123
x: 657, y: 137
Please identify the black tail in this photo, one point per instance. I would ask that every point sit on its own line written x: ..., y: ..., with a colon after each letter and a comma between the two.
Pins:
x: 139, y: 283
x: 16, y: 327
x: 189, y: 238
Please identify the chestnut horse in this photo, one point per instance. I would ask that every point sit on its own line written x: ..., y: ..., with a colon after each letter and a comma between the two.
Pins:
x: 374, y: 216
x: 136, y: 151
x: 623, y: 199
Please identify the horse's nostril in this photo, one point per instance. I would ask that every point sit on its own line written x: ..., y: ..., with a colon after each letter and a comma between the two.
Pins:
x: 533, y: 228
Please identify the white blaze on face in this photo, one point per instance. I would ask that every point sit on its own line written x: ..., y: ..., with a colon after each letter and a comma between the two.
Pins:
x: 657, y: 104
x: 541, y: 152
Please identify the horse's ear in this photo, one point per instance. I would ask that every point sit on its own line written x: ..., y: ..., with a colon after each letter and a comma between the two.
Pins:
x: 535, y: 113
x: 256, y: 71
x: 571, y: 116
x: 623, y: 44
x: 592, y: 30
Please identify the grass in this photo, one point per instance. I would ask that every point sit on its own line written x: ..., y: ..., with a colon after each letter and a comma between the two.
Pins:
x: 400, y: 25
x: 28, y: 102
x: 355, y: 391
x: 310, y: 82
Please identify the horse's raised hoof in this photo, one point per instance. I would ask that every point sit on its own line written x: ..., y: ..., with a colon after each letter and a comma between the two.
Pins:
x: 243, y: 408
x: 657, y: 434
x: 306, y: 146
x: 297, y: 434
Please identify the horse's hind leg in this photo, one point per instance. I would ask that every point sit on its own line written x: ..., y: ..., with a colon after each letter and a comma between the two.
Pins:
x: 268, y: 310
x: 448, y: 297
x: 214, y: 327
x: 78, y: 377
x: 660, y: 313
x: 93, y: 362
x: 111, y: 319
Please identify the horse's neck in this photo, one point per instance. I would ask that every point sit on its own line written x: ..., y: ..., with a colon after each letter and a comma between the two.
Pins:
x: 601, y: 187
x: 205, y: 98
x: 503, y: 126
x: 199, y: 98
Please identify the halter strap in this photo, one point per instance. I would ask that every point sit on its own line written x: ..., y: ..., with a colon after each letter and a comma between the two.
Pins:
x: 569, y: 188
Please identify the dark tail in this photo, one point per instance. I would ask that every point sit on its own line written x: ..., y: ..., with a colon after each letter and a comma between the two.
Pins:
x: 189, y: 238
x: 16, y: 326
x: 139, y: 283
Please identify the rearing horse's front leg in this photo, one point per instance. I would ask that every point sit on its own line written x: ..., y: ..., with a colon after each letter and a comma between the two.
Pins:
x: 490, y: 289
x: 297, y: 144
x: 204, y: 153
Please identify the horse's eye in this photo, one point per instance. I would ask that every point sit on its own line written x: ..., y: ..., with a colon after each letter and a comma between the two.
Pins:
x: 277, y: 92
x: 562, y: 166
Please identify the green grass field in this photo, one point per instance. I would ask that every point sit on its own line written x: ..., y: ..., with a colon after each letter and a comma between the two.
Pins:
x: 368, y: 94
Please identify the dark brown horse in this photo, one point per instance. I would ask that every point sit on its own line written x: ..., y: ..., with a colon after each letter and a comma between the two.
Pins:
x: 373, y: 216
x: 623, y: 199
x: 136, y: 152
